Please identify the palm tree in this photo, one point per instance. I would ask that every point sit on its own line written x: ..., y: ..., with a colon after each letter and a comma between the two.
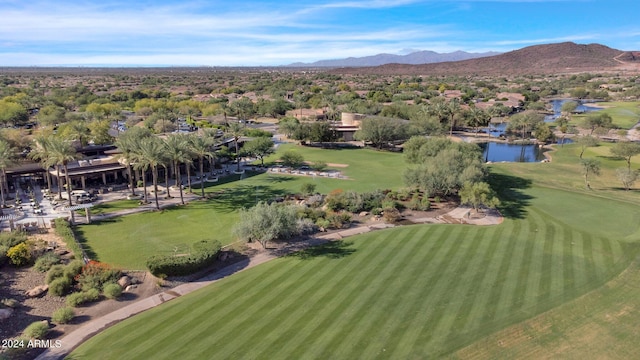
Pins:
x: 177, y: 152
x: 7, y: 158
x: 42, y: 153
x: 235, y: 130
x: 201, y: 147
x: 63, y: 153
x: 127, y: 142
x: 149, y: 155
x: 77, y: 130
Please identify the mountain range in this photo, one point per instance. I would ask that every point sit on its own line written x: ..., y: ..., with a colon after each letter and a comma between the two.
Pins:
x: 566, y: 57
x: 414, y: 58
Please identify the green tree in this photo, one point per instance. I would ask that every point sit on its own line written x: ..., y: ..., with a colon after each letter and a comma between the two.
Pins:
x: 235, y: 130
x: 42, y: 153
x: 267, y: 222
x: 597, y: 120
x: 292, y: 158
x: 12, y: 113
x: 478, y: 194
x: 586, y: 142
x: 127, y: 142
x: 627, y: 176
x: 150, y: 155
x: 543, y: 132
x: 381, y: 131
x: 626, y: 150
x: 525, y: 122
x: 63, y: 153
x: 260, y: 148
x: 589, y: 167
x: 75, y: 130
x: 477, y: 118
x: 176, y: 150
x: 7, y: 159
x: 201, y: 148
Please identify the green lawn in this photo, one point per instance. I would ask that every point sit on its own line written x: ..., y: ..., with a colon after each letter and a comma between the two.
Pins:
x: 625, y: 114
x: 127, y: 242
x: 420, y: 291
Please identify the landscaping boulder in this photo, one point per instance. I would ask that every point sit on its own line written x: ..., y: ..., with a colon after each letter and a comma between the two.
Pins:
x: 5, y: 313
x: 124, y: 281
x: 130, y: 287
x: 37, y: 291
x: 363, y: 214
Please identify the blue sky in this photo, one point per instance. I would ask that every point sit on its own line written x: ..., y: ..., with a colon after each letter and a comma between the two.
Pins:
x: 250, y: 33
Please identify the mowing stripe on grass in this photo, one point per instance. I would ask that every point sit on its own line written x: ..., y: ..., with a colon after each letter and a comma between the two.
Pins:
x: 481, y: 303
x: 523, y: 276
x: 557, y: 265
x: 363, y: 299
x: 340, y: 295
x: 578, y: 252
x: 381, y: 325
x: 501, y: 275
x: 362, y: 294
x: 406, y: 333
x: 375, y: 305
x: 532, y: 281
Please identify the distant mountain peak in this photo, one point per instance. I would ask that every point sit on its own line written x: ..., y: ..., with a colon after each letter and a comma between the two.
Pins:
x: 412, y: 58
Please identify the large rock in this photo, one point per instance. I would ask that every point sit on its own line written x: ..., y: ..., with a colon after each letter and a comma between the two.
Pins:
x: 5, y: 313
x: 37, y: 291
x: 124, y: 281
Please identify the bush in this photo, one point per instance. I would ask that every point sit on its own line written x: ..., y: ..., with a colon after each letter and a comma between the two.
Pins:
x: 63, y: 315
x: 292, y: 158
x: 112, y: 290
x: 12, y: 239
x: 3, y: 254
x: 36, y: 330
x: 73, y: 269
x: 337, y: 220
x: 204, y: 255
x: 59, y: 286
x: 63, y: 229
x: 55, y: 272
x: 95, y: 274
x: 20, y: 254
x: 391, y: 215
x: 46, y: 261
x: 80, y: 298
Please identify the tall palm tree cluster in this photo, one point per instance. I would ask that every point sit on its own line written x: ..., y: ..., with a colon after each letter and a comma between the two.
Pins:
x: 141, y: 151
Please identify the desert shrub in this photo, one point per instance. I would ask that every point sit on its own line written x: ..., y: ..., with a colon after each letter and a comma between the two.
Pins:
x: 10, y: 303
x: 73, y: 269
x: 59, y: 286
x: 20, y: 254
x: 56, y: 271
x: 323, y: 223
x: 311, y: 213
x: 77, y: 299
x: 336, y: 200
x: 46, y: 261
x: 204, y: 254
x: 267, y: 222
x: 389, y: 204
x: 337, y: 220
x: 415, y: 202
x: 315, y: 200
x: 95, y: 274
x: 292, y: 158
x: 36, y: 330
x: 112, y: 290
x: 306, y: 226
x: 376, y: 211
x: 391, y: 215
x: 11, y: 239
x: 63, y: 315
x: 319, y: 165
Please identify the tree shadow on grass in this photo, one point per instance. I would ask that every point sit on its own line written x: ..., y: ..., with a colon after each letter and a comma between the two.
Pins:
x: 245, y: 196
x: 80, y: 236
x: 330, y: 250
x: 513, y: 201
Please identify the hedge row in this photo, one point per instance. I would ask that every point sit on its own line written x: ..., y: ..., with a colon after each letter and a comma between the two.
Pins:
x: 63, y: 229
x: 203, y: 255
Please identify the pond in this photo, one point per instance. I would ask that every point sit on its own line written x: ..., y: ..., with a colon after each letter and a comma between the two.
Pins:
x: 496, y: 130
x: 501, y: 152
